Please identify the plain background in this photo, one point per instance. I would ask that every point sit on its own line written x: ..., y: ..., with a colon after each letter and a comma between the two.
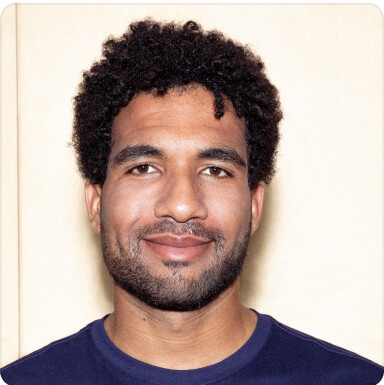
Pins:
x: 315, y: 263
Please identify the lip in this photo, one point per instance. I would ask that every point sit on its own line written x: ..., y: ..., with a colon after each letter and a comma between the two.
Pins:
x: 177, y: 248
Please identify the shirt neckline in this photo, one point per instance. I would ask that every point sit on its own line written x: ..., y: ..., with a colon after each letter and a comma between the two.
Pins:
x: 146, y: 372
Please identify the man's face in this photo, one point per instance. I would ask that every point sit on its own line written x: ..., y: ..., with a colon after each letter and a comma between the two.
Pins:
x: 175, y: 212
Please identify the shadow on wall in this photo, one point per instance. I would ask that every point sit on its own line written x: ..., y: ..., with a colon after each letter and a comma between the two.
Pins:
x: 105, y: 280
x: 102, y: 280
x: 251, y: 276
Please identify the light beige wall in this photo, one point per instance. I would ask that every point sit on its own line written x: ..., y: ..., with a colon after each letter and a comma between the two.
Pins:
x: 9, y: 191
x: 315, y: 263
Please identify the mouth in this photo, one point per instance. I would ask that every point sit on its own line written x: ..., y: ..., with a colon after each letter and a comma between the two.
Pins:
x: 177, y: 248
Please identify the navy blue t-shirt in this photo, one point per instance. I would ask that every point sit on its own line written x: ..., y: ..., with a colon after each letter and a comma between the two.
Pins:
x: 274, y: 355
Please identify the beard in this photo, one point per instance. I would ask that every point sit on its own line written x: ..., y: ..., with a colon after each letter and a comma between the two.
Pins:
x: 125, y: 262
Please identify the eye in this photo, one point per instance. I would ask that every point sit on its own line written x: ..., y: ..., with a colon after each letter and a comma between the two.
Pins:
x: 142, y: 169
x: 216, y: 172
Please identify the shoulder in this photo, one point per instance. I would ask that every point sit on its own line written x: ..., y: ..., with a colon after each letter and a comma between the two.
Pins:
x: 314, y: 358
x: 53, y: 361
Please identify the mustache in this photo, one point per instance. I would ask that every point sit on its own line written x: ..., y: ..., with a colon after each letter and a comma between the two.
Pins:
x: 191, y: 228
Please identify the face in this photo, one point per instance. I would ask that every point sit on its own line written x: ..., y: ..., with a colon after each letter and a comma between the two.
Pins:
x: 175, y: 212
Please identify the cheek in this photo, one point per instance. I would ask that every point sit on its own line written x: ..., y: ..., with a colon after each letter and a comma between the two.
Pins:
x: 230, y: 210
x: 123, y: 206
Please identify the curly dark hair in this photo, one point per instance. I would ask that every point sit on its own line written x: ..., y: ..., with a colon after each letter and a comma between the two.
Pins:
x: 153, y: 56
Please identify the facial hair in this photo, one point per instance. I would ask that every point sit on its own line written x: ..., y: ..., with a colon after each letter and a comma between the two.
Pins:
x: 125, y: 262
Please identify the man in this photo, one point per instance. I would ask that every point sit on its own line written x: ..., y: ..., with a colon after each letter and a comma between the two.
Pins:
x: 176, y: 132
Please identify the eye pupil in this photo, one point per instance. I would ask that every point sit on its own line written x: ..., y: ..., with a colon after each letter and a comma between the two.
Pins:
x: 143, y: 168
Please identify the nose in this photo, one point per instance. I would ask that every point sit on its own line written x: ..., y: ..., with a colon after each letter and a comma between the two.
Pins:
x: 181, y: 199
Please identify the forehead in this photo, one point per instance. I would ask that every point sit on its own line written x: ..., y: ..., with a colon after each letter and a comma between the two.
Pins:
x: 181, y: 117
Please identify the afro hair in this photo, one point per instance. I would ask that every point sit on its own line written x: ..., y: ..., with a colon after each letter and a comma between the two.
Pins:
x: 156, y: 57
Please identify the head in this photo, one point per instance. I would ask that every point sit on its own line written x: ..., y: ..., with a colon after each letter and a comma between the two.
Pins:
x: 176, y: 132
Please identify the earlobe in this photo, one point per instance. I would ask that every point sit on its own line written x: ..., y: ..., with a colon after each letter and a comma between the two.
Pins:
x: 257, y: 197
x: 92, y: 200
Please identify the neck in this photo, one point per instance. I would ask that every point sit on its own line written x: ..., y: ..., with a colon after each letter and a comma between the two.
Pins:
x: 180, y: 340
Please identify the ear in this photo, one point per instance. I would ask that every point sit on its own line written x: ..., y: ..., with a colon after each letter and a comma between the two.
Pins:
x: 257, y: 198
x: 92, y: 200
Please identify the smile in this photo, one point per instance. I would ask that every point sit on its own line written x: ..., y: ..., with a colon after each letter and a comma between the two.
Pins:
x: 176, y: 248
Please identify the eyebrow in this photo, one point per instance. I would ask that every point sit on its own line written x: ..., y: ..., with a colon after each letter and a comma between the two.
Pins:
x: 129, y: 153
x: 224, y: 155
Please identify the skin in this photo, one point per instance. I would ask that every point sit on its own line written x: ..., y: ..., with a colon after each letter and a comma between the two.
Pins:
x: 180, y: 186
